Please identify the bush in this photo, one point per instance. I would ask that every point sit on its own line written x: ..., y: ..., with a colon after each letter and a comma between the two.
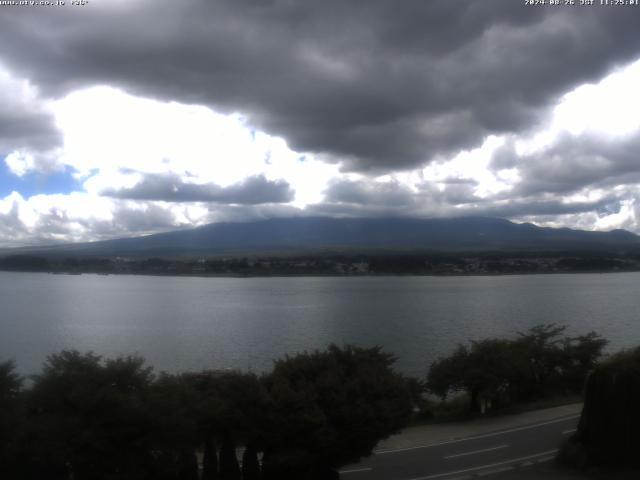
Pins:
x: 497, y: 373
x: 97, y: 419
x: 610, y: 420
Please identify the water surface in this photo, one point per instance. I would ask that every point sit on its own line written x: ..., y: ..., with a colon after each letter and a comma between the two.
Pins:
x: 180, y: 323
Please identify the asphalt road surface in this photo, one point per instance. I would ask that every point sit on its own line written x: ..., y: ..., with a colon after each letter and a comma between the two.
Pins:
x: 467, y: 457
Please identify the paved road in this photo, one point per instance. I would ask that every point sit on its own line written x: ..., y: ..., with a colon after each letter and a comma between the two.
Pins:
x: 467, y: 457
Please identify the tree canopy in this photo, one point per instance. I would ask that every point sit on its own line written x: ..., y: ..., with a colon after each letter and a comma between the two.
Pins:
x: 92, y: 418
x: 607, y: 433
x: 537, y: 363
x: 335, y: 405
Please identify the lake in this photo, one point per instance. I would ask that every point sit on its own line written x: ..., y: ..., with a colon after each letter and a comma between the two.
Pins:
x: 187, y: 323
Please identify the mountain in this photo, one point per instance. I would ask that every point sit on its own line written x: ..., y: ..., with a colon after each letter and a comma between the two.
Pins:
x: 314, y: 234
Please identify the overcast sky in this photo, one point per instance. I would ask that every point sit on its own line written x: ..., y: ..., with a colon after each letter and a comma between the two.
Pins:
x: 127, y: 117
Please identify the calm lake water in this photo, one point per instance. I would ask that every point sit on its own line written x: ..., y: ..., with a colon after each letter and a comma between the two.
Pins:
x: 195, y: 323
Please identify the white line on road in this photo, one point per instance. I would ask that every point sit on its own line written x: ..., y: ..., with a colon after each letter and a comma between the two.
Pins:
x: 567, y: 432
x: 483, y: 467
x: 476, y: 451
x: 356, y: 470
x: 493, y: 434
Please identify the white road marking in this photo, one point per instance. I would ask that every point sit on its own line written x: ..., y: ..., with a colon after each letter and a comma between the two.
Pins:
x: 483, y: 467
x: 486, y: 435
x: 476, y: 451
x: 356, y: 470
x: 491, y: 472
x: 567, y: 432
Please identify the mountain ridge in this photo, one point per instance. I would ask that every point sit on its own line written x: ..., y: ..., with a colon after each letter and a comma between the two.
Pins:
x: 283, y: 235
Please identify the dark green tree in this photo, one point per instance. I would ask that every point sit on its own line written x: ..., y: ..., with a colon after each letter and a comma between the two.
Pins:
x: 229, y: 466
x: 483, y: 371
x: 91, y: 416
x: 331, y: 408
x: 229, y: 407
x: 581, y: 357
x: 187, y: 465
x: 250, y: 463
x: 540, y: 360
x: 210, y: 459
x: 173, y: 404
x: 445, y: 373
x: 11, y: 420
x: 499, y: 372
x: 607, y: 433
x: 10, y: 382
x: 488, y: 373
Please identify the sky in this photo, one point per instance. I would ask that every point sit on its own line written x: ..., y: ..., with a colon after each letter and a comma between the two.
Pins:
x: 128, y: 117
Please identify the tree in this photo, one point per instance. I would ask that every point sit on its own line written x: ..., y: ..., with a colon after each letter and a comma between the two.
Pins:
x: 446, y: 373
x: 91, y: 416
x: 488, y: 373
x: 228, y: 407
x: 187, y: 465
x: 231, y: 405
x: 250, y: 463
x: 229, y: 467
x: 540, y: 360
x: 173, y: 404
x: 11, y: 418
x: 495, y: 372
x: 607, y: 432
x: 10, y: 381
x: 210, y: 459
x: 581, y: 357
x: 483, y: 371
x: 331, y: 408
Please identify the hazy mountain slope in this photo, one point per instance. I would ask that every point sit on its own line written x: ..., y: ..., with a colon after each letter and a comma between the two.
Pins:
x: 314, y: 233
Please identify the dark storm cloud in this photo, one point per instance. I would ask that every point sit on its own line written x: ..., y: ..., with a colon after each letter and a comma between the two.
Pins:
x: 552, y: 208
x: 442, y: 205
x: 376, y: 84
x: 171, y: 188
x: 390, y: 194
x: 24, y: 129
x: 391, y: 199
x: 24, y: 123
x: 573, y: 162
x: 245, y: 213
x: 127, y: 220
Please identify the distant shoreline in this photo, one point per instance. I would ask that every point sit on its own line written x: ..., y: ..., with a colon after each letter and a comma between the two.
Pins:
x: 330, y: 275
x: 335, y: 264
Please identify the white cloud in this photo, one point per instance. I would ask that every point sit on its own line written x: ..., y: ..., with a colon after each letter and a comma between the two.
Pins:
x: 20, y: 162
x: 81, y: 216
x: 611, y: 107
x: 112, y: 140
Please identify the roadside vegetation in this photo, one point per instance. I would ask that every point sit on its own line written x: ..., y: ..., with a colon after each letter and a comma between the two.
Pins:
x: 540, y: 365
x: 89, y: 418
x: 94, y: 418
x: 607, y: 434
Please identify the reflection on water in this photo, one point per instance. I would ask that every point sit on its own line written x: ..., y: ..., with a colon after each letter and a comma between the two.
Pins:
x: 194, y: 323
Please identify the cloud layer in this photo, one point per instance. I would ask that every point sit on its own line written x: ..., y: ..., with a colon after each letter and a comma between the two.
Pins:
x: 241, y: 109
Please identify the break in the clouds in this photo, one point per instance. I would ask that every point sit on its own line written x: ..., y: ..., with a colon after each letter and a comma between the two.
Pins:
x: 170, y: 114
